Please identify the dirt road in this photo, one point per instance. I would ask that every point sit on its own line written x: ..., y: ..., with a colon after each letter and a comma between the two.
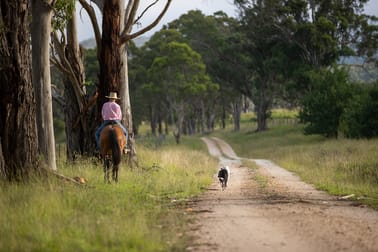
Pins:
x: 281, y: 213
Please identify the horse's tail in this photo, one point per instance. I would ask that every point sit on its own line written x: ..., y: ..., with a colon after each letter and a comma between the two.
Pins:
x: 116, y: 150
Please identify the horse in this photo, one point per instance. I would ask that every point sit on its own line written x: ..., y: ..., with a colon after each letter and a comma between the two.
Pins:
x: 112, y: 142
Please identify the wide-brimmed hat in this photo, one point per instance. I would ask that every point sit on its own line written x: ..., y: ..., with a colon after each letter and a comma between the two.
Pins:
x: 113, y: 95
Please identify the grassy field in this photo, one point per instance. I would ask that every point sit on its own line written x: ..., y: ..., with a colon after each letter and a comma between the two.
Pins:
x: 139, y: 213
x: 146, y: 210
x: 339, y: 166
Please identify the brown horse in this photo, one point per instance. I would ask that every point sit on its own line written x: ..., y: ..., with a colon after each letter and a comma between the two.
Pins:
x: 112, y: 142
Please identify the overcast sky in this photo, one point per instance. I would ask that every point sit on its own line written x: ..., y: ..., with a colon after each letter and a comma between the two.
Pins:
x: 179, y: 7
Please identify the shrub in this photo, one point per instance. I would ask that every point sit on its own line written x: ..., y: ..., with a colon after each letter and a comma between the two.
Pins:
x: 360, y: 119
x: 323, y: 105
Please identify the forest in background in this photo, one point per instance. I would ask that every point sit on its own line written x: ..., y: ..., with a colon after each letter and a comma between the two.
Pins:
x: 232, y: 82
x: 197, y: 72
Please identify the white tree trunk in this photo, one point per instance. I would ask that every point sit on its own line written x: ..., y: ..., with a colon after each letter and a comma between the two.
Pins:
x: 40, y: 33
x: 124, y: 86
x: 124, y: 92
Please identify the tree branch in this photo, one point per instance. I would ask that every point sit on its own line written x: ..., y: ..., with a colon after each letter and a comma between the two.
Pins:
x: 145, y: 10
x: 57, y: 97
x: 131, y: 10
x: 95, y: 26
x: 100, y: 4
x: 65, y: 65
x: 125, y: 37
x: 91, y: 102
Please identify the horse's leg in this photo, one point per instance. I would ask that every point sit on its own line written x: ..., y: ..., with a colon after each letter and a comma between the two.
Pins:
x: 106, y: 170
x: 116, y: 176
x: 115, y: 173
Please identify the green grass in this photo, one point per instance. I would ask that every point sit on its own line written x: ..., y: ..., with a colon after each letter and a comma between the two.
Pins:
x: 339, y: 166
x: 140, y: 213
x: 145, y: 211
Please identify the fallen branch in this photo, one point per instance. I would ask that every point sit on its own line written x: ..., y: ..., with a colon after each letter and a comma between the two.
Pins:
x: 76, y: 180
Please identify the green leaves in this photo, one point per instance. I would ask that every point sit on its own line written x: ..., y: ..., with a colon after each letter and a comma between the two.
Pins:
x: 180, y: 71
x: 324, y: 104
x: 63, y: 11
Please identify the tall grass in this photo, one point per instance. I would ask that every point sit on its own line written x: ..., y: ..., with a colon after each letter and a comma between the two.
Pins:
x: 137, y: 214
x: 339, y: 166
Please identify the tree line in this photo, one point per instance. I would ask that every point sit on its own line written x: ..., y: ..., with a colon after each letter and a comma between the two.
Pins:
x: 192, y: 74
x: 276, y: 53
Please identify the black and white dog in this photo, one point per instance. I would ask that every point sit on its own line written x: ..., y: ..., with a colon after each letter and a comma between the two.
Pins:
x: 223, y: 176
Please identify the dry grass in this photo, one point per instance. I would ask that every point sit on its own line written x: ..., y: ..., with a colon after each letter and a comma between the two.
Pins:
x: 339, y: 166
x: 140, y: 213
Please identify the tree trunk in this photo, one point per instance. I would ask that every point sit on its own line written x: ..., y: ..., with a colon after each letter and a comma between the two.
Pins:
x: 179, y: 109
x: 160, y: 121
x: 203, y: 117
x: 152, y: 120
x: 110, y: 58
x: 41, y: 28
x: 166, y: 126
x: 71, y: 113
x: 80, y: 114
x: 262, y: 111
x: 126, y: 106
x: 18, y: 134
x: 78, y: 137
x: 124, y: 82
x: 236, y: 112
x: 223, y: 119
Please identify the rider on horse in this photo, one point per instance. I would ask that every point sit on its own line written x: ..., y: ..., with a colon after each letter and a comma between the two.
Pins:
x: 111, y: 113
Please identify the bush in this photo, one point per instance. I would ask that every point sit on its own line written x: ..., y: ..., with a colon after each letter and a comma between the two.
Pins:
x: 360, y: 119
x: 323, y: 105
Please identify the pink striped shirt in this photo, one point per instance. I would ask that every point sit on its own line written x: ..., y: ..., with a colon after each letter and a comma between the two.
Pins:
x: 111, y: 111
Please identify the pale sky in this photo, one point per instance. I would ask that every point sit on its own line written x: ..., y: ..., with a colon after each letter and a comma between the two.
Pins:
x: 176, y: 9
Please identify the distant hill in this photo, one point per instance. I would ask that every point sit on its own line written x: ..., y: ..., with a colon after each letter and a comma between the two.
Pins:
x: 140, y: 41
x: 88, y: 43
x: 359, y: 69
x: 91, y: 43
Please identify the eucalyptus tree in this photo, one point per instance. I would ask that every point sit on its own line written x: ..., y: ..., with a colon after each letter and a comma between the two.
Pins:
x: 18, y: 133
x: 181, y: 75
x: 117, y: 24
x: 67, y: 56
x: 42, y: 11
x: 152, y: 100
x: 334, y: 29
x: 213, y: 37
x: 288, y: 40
x: 324, y: 105
x: 266, y: 52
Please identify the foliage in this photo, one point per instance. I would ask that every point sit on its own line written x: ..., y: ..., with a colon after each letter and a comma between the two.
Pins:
x: 270, y: 54
x: 273, y: 57
x: 324, y: 103
x: 359, y: 119
x: 180, y: 71
x: 147, y: 97
x: 91, y: 67
x: 286, y: 40
x: 171, y: 81
x: 217, y: 39
x: 63, y: 10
